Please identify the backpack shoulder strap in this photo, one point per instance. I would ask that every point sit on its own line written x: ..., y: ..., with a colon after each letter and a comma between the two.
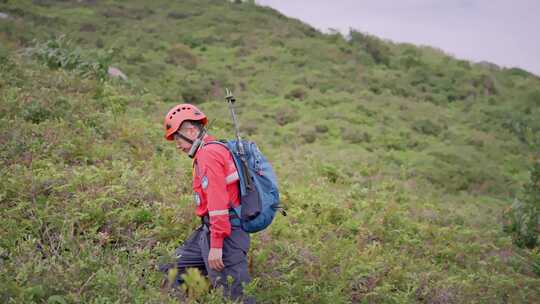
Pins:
x: 222, y: 142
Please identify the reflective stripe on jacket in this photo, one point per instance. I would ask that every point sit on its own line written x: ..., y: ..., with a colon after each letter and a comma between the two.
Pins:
x: 216, y: 190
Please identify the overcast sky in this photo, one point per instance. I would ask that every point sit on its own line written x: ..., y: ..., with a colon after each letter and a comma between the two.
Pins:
x: 505, y: 32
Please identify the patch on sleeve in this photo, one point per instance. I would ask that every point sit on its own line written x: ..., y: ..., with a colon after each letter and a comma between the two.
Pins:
x: 204, y: 182
x: 197, y: 198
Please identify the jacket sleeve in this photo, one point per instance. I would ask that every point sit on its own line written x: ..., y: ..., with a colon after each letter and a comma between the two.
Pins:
x: 215, y: 187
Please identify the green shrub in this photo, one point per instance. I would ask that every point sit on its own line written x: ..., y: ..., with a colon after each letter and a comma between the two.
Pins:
x: 517, y: 72
x: 522, y: 220
x: 410, y: 61
x: 285, y: 114
x: 194, y: 94
x: 180, y: 54
x: 309, y: 135
x: 297, y: 93
x: 523, y: 217
x: 35, y: 112
x: 5, y: 63
x: 486, y: 84
x: 108, y: 97
x: 321, y: 128
x: 332, y: 173
x: 533, y: 98
x: 355, y: 135
x: 195, y: 285
x: 60, y: 53
x: 57, y: 53
x: 379, y: 50
x: 426, y: 126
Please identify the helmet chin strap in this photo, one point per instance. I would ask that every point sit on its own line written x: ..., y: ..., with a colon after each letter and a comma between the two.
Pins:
x: 196, y: 144
x: 185, y: 138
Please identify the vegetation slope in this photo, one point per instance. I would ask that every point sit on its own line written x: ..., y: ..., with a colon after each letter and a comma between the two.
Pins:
x: 395, y: 162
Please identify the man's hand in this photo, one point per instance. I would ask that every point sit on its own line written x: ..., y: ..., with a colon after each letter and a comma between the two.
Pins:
x: 215, y: 260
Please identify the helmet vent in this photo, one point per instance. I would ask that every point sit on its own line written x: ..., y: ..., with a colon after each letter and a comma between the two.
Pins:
x: 168, y: 126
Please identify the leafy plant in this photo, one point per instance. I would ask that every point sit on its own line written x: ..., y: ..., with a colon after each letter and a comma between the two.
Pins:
x: 379, y: 51
x: 297, y: 93
x: 195, y: 284
x: 180, y: 54
x: 427, y: 127
x: 523, y: 217
x: 60, y: 53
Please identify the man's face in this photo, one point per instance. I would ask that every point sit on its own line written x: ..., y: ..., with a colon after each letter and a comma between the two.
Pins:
x: 188, y: 131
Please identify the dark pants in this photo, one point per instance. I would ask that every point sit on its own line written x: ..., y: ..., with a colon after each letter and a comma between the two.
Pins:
x: 194, y: 253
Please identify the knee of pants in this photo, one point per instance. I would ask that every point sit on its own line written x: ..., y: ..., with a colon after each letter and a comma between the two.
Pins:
x: 236, y: 274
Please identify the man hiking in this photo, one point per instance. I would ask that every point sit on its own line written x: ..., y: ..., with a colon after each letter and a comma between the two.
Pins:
x: 218, y: 248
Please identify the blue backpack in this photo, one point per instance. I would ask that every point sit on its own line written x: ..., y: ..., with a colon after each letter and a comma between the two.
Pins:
x: 259, y: 194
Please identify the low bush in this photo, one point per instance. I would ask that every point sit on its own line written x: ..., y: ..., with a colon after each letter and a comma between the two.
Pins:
x: 355, y: 135
x: 320, y: 128
x: 523, y: 217
x: 37, y: 111
x: 379, y: 50
x: 60, y: 53
x: 297, y: 94
x: 285, y: 114
x: 309, y: 135
x: 427, y: 127
x: 533, y: 98
x: 180, y: 54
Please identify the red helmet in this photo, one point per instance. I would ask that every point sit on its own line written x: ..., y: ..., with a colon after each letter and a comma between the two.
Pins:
x: 180, y: 113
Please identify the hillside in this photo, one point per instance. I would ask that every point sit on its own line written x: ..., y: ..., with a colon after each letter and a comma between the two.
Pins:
x: 395, y: 162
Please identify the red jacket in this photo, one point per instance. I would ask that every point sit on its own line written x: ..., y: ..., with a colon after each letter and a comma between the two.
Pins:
x: 216, y: 189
